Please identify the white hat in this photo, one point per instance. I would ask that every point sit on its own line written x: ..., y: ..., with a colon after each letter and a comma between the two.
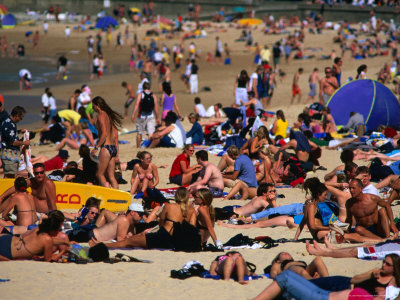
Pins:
x: 136, y: 207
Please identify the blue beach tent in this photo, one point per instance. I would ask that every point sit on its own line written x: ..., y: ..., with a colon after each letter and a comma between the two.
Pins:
x: 105, y: 22
x: 373, y: 100
x: 9, y: 21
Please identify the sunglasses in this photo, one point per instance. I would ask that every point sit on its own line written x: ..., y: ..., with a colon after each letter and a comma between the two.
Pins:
x: 37, y: 173
x: 191, y: 150
x: 92, y: 212
x: 272, y: 191
x: 388, y: 264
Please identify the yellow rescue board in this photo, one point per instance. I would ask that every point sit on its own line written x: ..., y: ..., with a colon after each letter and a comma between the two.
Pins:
x: 74, y: 195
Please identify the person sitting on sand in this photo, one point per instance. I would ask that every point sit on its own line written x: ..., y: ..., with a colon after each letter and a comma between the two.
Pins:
x: 266, y: 170
x: 374, y: 282
x: 38, y: 241
x: 252, y: 145
x: 22, y: 203
x: 284, y: 261
x: 205, y: 216
x: 243, y: 178
x: 144, y: 174
x: 195, y: 135
x: 231, y: 264
x: 173, y: 219
x: 170, y: 135
x: 346, y: 156
x: 181, y: 171
x: 211, y: 178
x: 226, y: 163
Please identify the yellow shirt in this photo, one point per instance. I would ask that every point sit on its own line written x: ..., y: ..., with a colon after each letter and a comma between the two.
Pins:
x: 70, y: 116
x: 281, y: 128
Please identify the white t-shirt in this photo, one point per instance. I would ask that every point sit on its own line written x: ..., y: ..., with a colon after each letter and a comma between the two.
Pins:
x: 201, y: 110
x: 83, y: 97
x: 211, y: 112
x: 45, y: 100
x: 67, y: 31
x: 158, y: 56
x: 52, y: 103
x: 24, y: 72
x: 140, y: 86
x: 253, y: 77
x: 188, y: 69
x: 176, y: 136
x: 371, y: 189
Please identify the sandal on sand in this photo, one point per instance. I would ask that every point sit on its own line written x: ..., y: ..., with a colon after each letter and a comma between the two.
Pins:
x: 127, y: 258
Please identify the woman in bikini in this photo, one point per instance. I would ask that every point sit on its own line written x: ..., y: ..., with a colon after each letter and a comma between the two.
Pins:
x: 106, y: 123
x: 37, y: 242
x: 374, y: 284
x: 284, y: 261
x: 230, y: 264
x: 173, y: 217
x: 205, y: 216
x: 145, y: 174
x: 22, y: 203
x: 252, y: 146
x: 264, y: 170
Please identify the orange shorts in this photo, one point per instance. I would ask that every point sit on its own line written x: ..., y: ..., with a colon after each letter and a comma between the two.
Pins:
x: 295, y: 90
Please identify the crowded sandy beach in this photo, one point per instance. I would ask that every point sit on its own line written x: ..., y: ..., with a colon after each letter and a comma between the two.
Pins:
x: 198, y: 132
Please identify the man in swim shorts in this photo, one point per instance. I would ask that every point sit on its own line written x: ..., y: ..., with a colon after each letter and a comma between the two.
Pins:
x: 210, y: 178
x: 370, y: 222
x: 328, y: 85
x: 296, y: 91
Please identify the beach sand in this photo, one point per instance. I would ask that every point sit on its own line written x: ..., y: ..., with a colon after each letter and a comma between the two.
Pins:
x: 38, y: 280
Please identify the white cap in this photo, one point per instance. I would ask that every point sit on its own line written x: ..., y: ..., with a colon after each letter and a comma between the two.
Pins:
x: 136, y: 207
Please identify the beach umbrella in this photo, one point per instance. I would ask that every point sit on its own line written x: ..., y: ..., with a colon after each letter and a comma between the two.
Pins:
x: 105, y: 22
x: 373, y: 100
x: 134, y: 10
x: 239, y: 9
x: 9, y: 21
x: 250, y: 22
x: 3, y: 10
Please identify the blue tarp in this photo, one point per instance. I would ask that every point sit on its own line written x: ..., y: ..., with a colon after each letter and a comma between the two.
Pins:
x: 105, y: 22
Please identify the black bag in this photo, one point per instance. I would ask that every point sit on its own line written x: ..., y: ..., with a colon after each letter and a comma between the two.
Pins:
x: 147, y: 103
x: 239, y: 240
x: 154, y: 197
x: 99, y: 252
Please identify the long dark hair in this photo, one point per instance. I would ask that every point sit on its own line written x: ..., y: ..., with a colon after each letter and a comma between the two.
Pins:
x: 314, y: 187
x: 52, y: 223
x: 244, y: 76
x: 116, y: 118
x: 396, y: 267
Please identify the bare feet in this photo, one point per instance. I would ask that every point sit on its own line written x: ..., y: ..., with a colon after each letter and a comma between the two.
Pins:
x: 328, y: 244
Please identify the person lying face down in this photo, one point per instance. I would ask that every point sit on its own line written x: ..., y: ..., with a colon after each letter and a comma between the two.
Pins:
x: 37, y: 242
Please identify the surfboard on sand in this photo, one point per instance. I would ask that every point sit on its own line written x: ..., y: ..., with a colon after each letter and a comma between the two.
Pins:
x: 74, y: 195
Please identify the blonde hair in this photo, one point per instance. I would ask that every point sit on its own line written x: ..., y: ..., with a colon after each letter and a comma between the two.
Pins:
x: 262, y: 132
x: 268, y: 153
x: 207, y: 198
x: 182, y: 198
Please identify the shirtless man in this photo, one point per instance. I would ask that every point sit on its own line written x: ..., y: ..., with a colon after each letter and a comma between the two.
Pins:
x: 131, y: 97
x: 148, y: 67
x: 120, y: 228
x: 43, y: 191
x: 212, y: 178
x: 327, y: 87
x: 266, y: 198
x: 296, y: 91
x: 370, y: 222
x: 37, y: 242
x: 313, y: 80
x: 23, y: 203
x: 364, y: 175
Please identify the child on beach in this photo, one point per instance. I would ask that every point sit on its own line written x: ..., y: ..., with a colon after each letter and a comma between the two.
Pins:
x: 230, y: 265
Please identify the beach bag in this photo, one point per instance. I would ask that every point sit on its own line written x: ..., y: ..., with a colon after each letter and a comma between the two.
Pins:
x: 328, y: 212
x: 335, y: 235
x: 186, y: 237
x: 99, y: 252
x: 154, y: 198
x: 234, y: 140
x: 239, y: 240
x: 147, y: 103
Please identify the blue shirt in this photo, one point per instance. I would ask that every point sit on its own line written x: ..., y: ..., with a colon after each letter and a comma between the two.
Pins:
x: 247, y: 173
x: 196, y: 133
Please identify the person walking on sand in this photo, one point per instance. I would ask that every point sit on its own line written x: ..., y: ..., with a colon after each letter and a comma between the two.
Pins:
x: 313, y: 80
x: 327, y: 87
x: 296, y: 91
x: 131, y: 97
x: 106, y: 124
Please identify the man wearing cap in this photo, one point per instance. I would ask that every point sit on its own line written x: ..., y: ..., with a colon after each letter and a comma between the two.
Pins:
x: 43, y: 191
x: 120, y: 227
